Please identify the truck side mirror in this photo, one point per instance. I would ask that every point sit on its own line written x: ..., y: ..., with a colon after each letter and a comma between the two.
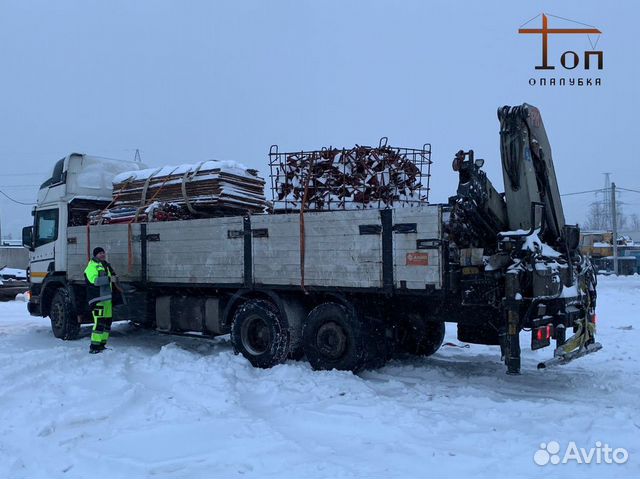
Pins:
x: 27, y: 237
x: 479, y: 162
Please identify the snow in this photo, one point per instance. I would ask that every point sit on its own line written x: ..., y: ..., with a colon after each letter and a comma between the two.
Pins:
x: 164, y: 406
x: 532, y: 242
x: 569, y: 291
x: 97, y: 173
x: 90, y: 177
x: 230, y: 167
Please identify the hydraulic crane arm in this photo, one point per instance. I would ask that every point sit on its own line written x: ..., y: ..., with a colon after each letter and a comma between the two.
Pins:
x: 528, y: 172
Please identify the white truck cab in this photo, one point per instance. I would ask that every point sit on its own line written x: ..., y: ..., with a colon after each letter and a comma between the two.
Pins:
x: 78, y: 185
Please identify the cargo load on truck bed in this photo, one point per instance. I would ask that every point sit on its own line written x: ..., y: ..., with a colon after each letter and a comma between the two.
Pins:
x: 205, y: 189
x: 361, y: 177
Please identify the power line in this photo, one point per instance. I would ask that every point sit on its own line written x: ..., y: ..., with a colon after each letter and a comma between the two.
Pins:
x: 15, y: 201
x: 583, y: 192
x: 627, y: 189
x: 22, y: 174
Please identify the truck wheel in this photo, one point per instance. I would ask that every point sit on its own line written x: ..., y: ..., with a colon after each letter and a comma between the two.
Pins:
x: 260, y: 334
x: 64, y: 321
x: 420, y: 337
x: 334, y: 338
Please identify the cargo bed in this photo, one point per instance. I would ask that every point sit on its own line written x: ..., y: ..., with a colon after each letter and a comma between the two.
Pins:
x: 363, y: 249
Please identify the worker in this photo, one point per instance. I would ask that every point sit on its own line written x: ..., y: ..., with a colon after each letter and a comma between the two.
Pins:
x: 100, y: 278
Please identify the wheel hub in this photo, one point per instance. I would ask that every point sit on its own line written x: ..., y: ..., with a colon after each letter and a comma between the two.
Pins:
x: 255, y: 335
x: 331, y: 340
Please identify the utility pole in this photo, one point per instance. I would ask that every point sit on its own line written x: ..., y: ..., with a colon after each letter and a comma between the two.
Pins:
x: 614, y: 221
x: 606, y: 207
x: 137, y: 156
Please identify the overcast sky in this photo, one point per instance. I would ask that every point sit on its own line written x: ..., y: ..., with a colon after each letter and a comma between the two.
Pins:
x: 189, y: 81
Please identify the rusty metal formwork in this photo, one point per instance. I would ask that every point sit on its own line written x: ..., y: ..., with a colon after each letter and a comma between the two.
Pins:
x: 361, y: 177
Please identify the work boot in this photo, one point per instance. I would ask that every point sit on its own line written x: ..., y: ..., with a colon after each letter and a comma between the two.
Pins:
x: 96, y: 348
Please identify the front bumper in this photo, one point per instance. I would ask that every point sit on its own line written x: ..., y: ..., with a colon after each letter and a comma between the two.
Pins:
x: 33, y: 306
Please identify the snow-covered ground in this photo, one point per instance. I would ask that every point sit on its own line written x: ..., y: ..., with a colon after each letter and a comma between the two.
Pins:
x: 164, y: 406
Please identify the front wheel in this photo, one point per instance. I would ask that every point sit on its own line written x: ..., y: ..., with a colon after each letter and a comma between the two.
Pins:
x: 64, y: 321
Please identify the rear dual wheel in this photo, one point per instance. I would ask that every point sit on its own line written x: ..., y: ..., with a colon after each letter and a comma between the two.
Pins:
x: 334, y: 337
x: 419, y: 337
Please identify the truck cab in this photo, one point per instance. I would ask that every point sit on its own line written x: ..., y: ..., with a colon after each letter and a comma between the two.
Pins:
x: 78, y: 184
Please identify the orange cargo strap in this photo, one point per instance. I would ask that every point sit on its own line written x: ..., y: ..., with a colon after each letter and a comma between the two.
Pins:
x: 146, y: 185
x: 129, y: 248
x: 115, y: 198
x: 88, y: 241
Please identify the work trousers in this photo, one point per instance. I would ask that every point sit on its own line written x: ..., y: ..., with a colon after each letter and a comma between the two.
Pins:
x: 102, y: 317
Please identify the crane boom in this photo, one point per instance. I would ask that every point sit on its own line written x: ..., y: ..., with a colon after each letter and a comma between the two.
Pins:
x: 528, y: 171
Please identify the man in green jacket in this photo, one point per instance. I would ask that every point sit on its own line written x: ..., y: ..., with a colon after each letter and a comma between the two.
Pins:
x: 99, y: 276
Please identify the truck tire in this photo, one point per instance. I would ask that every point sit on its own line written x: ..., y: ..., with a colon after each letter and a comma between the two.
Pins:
x: 334, y: 338
x: 420, y: 337
x: 260, y: 334
x: 64, y: 321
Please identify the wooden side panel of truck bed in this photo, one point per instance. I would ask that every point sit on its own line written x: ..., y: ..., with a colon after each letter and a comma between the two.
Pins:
x: 414, y: 266
x: 196, y: 251
x: 114, y: 239
x: 342, y: 249
x: 336, y: 254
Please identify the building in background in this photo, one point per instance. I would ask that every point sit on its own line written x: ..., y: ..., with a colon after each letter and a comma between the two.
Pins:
x: 13, y: 254
x: 598, y: 245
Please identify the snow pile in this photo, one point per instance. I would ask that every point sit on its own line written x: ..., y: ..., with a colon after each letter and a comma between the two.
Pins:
x: 96, y: 173
x: 230, y: 167
x: 532, y: 242
x: 164, y: 406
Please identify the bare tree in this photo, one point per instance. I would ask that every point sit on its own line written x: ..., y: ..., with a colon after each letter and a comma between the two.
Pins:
x: 599, y: 217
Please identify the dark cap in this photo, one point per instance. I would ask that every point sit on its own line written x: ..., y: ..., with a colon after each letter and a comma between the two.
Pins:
x: 97, y: 251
